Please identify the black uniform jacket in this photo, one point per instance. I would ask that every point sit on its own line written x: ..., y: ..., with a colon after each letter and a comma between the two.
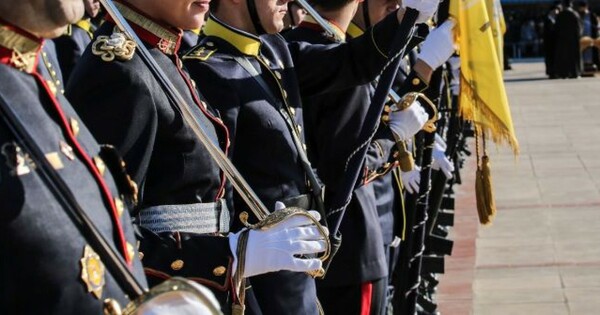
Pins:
x: 70, y: 46
x: 124, y: 105
x: 262, y: 145
x: 333, y: 123
x: 41, y: 250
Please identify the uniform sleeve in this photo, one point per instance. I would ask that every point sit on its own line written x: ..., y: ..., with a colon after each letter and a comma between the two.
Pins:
x: 203, y: 258
x: 380, y: 158
x: 326, y: 68
x: 118, y: 106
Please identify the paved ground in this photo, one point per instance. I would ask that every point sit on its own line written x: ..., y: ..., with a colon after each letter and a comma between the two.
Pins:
x: 542, y: 254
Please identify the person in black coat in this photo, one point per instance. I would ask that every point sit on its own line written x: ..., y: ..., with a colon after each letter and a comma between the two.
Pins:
x: 71, y: 45
x: 567, y: 57
x: 47, y: 266
x: 184, y: 199
x: 255, y: 80
x: 550, y: 39
x: 355, y: 282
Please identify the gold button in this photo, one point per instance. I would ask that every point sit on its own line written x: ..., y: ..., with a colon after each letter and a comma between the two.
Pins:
x: 130, y: 251
x: 299, y: 128
x: 293, y: 111
x: 54, y: 160
x: 280, y: 64
x: 416, y: 81
x: 120, y: 206
x: 193, y: 83
x: 179, y: 63
x: 100, y: 165
x: 67, y: 150
x: 219, y: 271
x: 277, y: 75
x: 141, y: 255
x: 284, y: 93
x: 266, y: 61
x: 177, y: 265
x: 52, y: 87
x: 112, y: 307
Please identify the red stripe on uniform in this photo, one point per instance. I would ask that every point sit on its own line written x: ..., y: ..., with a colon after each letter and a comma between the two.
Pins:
x: 366, y: 298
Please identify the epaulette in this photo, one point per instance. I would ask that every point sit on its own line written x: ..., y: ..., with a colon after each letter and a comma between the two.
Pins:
x: 117, y: 46
x: 200, y: 53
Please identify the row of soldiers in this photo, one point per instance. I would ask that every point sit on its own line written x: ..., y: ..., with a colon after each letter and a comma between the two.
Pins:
x: 87, y: 126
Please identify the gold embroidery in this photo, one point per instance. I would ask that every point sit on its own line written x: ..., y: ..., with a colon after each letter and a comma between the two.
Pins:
x: 92, y: 271
x: 117, y: 46
x: 23, y: 61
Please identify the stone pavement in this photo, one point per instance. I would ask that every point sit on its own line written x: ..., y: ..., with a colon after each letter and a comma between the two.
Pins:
x: 542, y: 254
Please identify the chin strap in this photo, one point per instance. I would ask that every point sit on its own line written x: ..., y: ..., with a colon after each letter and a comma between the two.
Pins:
x: 254, y: 17
x: 366, y: 17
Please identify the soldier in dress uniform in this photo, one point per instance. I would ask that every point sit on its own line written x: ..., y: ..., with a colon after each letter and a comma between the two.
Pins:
x: 184, y: 200
x: 47, y: 266
x: 71, y: 45
x: 356, y: 282
x: 255, y: 79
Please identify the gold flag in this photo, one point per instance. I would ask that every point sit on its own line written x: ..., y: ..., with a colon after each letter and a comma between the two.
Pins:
x: 494, y: 9
x: 482, y: 94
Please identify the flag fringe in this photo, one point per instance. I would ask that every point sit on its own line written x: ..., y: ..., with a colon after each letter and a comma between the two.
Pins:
x: 495, y: 129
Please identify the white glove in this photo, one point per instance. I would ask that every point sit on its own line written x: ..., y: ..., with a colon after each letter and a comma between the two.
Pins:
x: 439, y: 141
x: 411, y: 180
x: 408, y: 122
x: 276, y: 249
x: 426, y: 8
x: 438, y: 46
x: 440, y: 161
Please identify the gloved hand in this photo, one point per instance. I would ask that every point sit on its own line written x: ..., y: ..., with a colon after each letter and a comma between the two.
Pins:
x: 426, y: 8
x: 438, y: 46
x: 411, y: 180
x: 439, y: 141
x: 276, y: 249
x: 440, y: 161
x: 408, y: 122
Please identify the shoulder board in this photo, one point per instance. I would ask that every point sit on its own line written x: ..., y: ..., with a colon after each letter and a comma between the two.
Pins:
x: 200, y: 53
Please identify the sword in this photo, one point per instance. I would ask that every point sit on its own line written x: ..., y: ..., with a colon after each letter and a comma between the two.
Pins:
x: 232, y: 174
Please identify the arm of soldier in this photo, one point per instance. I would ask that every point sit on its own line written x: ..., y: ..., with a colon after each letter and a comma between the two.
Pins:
x: 380, y: 155
x: 206, y: 259
x: 325, y: 68
x: 435, y: 50
x: 118, y: 107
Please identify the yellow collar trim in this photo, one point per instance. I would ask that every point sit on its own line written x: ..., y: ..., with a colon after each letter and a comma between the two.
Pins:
x: 354, y: 31
x: 86, y: 25
x: 168, y: 39
x: 246, y: 43
x: 339, y: 33
x: 195, y: 31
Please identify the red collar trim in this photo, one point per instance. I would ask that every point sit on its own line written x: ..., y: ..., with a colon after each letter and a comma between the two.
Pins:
x: 167, y: 39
